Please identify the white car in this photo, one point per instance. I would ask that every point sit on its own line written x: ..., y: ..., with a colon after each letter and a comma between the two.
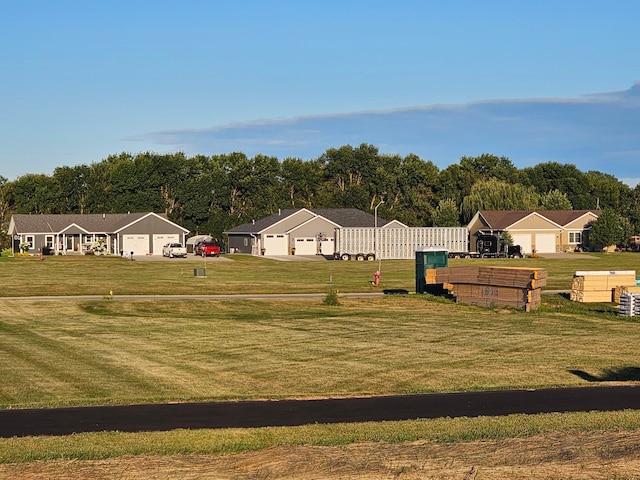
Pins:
x: 174, y: 250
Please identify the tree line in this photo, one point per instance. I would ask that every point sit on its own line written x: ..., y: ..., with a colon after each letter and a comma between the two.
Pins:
x: 211, y: 194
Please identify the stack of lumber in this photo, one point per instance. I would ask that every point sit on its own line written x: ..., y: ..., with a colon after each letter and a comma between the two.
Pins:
x: 494, y: 286
x: 630, y: 304
x: 621, y: 290
x: 598, y: 286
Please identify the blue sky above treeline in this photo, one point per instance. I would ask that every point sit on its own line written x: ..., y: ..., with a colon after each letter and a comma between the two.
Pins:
x: 594, y: 132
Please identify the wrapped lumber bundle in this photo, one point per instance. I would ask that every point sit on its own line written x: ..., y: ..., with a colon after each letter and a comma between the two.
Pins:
x: 494, y: 286
x: 630, y: 304
x: 598, y: 286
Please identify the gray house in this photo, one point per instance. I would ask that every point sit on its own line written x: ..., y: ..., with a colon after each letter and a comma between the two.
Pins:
x: 298, y: 231
x: 111, y: 233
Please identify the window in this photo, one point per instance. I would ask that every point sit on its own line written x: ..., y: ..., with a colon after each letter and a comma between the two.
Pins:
x: 575, y: 237
x: 30, y: 240
x: 48, y: 241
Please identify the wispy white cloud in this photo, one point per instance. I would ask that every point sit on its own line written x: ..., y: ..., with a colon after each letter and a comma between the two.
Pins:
x: 595, y: 132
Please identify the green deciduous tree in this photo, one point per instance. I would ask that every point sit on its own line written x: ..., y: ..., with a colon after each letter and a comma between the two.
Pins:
x: 494, y: 194
x: 564, y: 177
x: 37, y: 193
x: 609, y: 229
x: 608, y: 191
x: 446, y: 214
x: 301, y: 181
x: 555, y: 200
x: 487, y: 166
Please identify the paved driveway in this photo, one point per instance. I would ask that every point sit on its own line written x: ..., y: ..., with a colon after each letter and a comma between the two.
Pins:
x: 251, y: 414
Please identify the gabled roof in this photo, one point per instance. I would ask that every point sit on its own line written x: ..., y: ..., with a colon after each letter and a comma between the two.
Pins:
x: 349, y: 217
x: 565, y: 217
x: 343, y: 217
x: 503, y: 219
x: 256, y: 226
x: 92, y: 223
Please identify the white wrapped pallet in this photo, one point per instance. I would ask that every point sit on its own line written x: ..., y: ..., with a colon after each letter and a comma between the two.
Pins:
x: 630, y: 304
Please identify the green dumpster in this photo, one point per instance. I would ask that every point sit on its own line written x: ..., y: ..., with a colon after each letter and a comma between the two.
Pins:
x: 426, y: 259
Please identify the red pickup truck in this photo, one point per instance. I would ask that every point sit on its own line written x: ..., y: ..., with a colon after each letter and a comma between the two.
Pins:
x: 207, y: 248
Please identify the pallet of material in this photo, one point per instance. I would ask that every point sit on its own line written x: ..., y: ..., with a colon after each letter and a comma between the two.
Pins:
x: 496, y: 276
x: 630, y: 304
x: 511, y: 294
x: 493, y: 286
x: 599, y: 286
x: 619, y: 291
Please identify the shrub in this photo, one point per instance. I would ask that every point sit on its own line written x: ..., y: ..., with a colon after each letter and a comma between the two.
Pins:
x: 331, y: 298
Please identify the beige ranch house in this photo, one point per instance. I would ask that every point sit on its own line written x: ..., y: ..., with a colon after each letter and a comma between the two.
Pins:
x: 539, y: 231
x: 299, y: 231
x: 124, y: 234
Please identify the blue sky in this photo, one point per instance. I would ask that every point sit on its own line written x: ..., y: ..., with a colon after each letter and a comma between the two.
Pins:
x: 532, y: 81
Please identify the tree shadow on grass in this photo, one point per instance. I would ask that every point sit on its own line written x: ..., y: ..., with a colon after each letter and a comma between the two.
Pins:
x: 619, y: 374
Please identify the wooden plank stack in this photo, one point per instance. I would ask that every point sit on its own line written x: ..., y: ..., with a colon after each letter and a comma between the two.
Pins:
x: 493, y: 286
x: 599, y: 286
x: 621, y: 290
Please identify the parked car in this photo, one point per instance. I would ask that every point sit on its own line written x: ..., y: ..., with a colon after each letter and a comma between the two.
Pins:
x: 174, y: 250
x: 207, y: 248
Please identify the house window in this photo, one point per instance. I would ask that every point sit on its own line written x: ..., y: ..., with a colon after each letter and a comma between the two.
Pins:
x: 48, y: 241
x: 246, y: 242
x: 575, y: 237
x: 30, y: 240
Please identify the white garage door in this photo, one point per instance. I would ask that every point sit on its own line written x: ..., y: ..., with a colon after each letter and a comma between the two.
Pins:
x: 138, y: 244
x: 545, y: 243
x: 327, y: 247
x: 160, y: 240
x: 524, y: 240
x: 275, y: 245
x: 306, y: 246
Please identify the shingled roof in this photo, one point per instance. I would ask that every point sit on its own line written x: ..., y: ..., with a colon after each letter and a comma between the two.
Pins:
x: 503, y: 219
x: 344, y: 217
x: 91, y: 223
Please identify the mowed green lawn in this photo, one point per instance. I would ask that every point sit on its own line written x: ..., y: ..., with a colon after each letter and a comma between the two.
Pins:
x: 110, y: 351
x: 63, y: 353
x: 88, y: 275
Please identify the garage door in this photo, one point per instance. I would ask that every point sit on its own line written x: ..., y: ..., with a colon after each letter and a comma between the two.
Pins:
x: 138, y: 244
x: 160, y: 240
x: 306, y: 246
x: 275, y: 245
x: 327, y: 246
x: 524, y: 240
x: 545, y: 242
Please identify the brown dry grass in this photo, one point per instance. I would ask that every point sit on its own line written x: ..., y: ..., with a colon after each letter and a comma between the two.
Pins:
x: 588, y: 456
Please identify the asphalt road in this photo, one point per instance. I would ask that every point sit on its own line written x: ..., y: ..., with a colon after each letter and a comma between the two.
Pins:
x: 250, y: 414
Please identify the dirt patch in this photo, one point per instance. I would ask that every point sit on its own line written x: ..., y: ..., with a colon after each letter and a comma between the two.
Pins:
x: 593, y: 455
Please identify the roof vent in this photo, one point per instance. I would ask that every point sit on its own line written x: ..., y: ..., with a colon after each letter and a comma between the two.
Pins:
x: 253, y: 221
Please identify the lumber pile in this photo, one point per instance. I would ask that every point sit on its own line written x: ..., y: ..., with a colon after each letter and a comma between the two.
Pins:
x: 599, y: 286
x: 493, y: 286
x: 621, y: 290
